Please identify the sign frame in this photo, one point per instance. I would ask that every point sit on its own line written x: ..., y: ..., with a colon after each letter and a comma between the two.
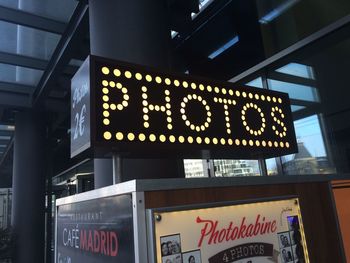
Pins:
x: 95, y: 196
x: 141, y: 144
x: 151, y: 214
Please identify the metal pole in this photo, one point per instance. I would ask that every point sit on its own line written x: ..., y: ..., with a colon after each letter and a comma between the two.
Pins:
x: 117, y: 169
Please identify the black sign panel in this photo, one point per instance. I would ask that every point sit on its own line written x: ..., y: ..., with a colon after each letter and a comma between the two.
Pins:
x: 143, y: 113
x: 80, y: 110
x: 99, y: 230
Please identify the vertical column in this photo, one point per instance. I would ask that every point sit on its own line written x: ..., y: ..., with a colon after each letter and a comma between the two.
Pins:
x: 103, y: 170
x: 135, y: 31
x: 28, y: 200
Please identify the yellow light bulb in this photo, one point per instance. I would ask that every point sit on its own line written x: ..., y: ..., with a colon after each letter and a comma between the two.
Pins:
x: 138, y: 76
x: 105, y: 70
x: 128, y: 74
x: 162, y: 138
x: 142, y: 137
x: 152, y: 137
x: 119, y: 136
x: 148, y: 78
x: 116, y: 72
x: 107, y: 135
x: 131, y: 136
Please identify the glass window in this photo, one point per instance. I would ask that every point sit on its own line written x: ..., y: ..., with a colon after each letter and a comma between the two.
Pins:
x: 60, y: 10
x: 194, y: 168
x: 257, y: 83
x: 230, y: 168
x: 19, y: 75
x: 295, y: 91
x: 285, y: 22
x: 312, y: 156
x: 271, y: 166
x: 297, y: 107
x: 27, y: 41
x: 299, y: 70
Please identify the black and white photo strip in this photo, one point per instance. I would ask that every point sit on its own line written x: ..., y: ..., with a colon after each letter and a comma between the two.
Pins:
x: 293, y: 223
x: 193, y: 256
x: 284, y: 239
x: 285, y: 244
x: 171, y: 249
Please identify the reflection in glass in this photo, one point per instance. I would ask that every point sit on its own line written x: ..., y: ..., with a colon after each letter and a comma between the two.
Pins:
x: 295, y: 91
x: 299, y: 70
x: 311, y: 157
x: 297, y: 107
x: 194, y: 168
x: 257, y: 83
x: 271, y: 166
x: 229, y: 168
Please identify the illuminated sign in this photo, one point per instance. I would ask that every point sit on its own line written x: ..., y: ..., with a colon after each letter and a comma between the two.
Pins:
x: 142, y: 112
x: 257, y: 232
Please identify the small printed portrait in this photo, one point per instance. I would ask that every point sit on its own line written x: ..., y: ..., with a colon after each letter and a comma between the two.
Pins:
x: 295, y: 237
x: 172, y: 259
x: 286, y: 255
x: 295, y: 255
x: 298, y: 252
x: 293, y: 223
x: 284, y: 239
x: 170, y: 245
x: 193, y: 256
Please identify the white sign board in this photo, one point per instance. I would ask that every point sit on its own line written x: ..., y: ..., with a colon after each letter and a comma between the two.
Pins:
x: 246, y: 233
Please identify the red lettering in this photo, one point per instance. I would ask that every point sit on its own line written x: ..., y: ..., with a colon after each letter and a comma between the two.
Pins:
x: 108, y: 243
x: 273, y: 226
x: 222, y: 235
x: 249, y: 232
x: 90, y: 246
x: 211, y: 233
x: 257, y: 226
x: 96, y: 241
x: 206, y: 230
x: 234, y: 233
x: 242, y: 229
x: 103, y: 242
x: 114, y: 240
x: 83, y: 240
x: 229, y: 229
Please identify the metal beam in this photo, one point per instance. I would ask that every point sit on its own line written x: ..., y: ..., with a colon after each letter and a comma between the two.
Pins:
x: 76, y: 30
x: 31, y: 20
x: 15, y: 99
x: 16, y: 88
x: 23, y: 61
